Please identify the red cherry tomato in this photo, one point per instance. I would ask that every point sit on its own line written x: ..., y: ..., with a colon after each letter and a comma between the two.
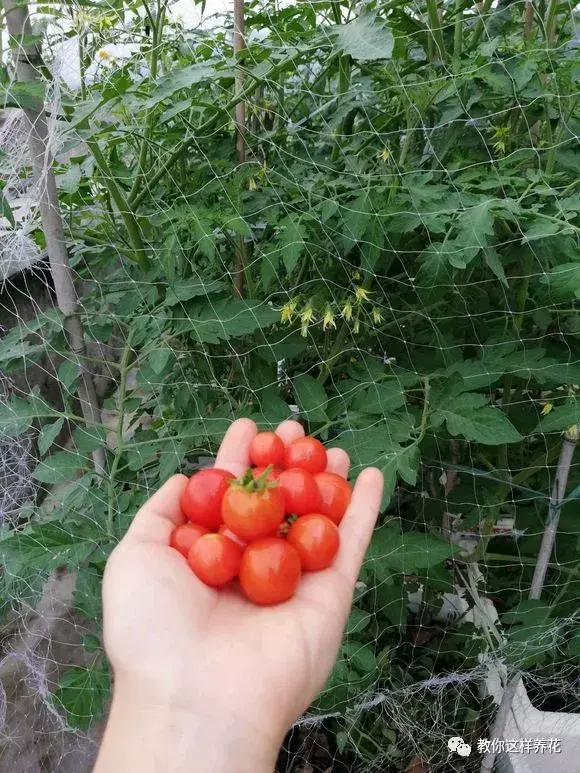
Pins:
x: 307, y: 453
x: 215, y: 559
x: 300, y: 491
x: 267, y: 448
x: 252, y: 514
x: 185, y: 536
x: 270, y: 571
x: 335, y: 493
x: 201, y: 500
x: 315, y: 538
x: 223, y: 529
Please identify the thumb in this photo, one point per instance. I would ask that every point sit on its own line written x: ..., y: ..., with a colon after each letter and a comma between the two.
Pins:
x: 155, y: 521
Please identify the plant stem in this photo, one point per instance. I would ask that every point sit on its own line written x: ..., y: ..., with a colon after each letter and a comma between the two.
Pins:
x: 457, y: 36
x: 127, y: 214
x: 528, y: 19
x: 239, y: 46
x: 435, y: 28
x: 551, y: 18
x: 28, y: 64
x: 124, y: 368
x: 157, y: 27
x: 558, y: 495
x: 480, y: 26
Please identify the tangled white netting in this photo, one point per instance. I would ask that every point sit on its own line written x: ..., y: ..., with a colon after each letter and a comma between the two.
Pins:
x: 400, y: 222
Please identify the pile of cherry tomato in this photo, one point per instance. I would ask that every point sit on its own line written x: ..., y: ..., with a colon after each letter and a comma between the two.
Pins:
x: 278, y: 520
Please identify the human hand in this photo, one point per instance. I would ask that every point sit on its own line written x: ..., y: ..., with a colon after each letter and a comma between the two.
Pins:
x: 212, y: 655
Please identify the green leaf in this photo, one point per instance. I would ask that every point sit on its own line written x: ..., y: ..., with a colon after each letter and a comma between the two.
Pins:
x: 356, y: 216
x: 203, y: 72
x: 48, y: 435
x: 540, y: 229
x: 159, y: 358
x: 6, y: 209
x: 564, y: 281
x: 381, y: 399
x: 59, y: 467
x: 365, y: 39
x: 82, y: 693
x: 228, y: 318
x: 88, y: 439
x: 46, y: 546
x: 28, y: 96
x: 401, y: 460
x: 392, y: 550
x: 292, y: 241
x: 494, y: 264
x: 88, y: 591
x: 68, y: 372
x: 474, y: 231
x: 17, y: 415
x: 358, y: 620
x: 469, y: 415
x: 561, y: 417
x: 311, y: 397
x: 191, y: 288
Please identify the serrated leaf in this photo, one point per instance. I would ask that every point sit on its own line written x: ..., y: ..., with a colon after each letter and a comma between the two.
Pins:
x: 540, y: 229
x: 403, y: 461
x: 469, y: 415
x: 202, y: 72
x: 68, y: 372
x: 49, y: 545
x: 356, y: 216
x: 358, y: 620
x: 292, y: 241
x: 82, y: 693
x: 48, y: 435
x: 564, y: 281
x: 474, y: 231
x: 392, y: 550
x: 561, y: 417
x: 159, y: 358
x: 191, y: 288
x: 365, y: 39
x: 494, y: 264
x: 381, y: 399
x: 27, y: 95
x: 88, y: 439
x: 17, y: 415
x: 88, y: 590
x: 311, y: 397
x: 228, y: 318
x: 59, y: 467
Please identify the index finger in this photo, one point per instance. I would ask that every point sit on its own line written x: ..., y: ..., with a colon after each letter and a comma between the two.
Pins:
x: 234, y: 452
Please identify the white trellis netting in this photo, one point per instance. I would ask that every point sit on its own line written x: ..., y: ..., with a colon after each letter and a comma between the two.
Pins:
x: 430, y: 645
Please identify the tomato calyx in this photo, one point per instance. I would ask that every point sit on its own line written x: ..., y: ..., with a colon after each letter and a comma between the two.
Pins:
x: 251, y: 484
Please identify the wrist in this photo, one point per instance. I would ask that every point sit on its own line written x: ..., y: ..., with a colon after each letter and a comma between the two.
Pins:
x: 176, y: 738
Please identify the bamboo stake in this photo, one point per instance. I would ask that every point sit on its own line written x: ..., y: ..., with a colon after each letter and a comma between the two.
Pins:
x: 28, y: 63
x: 239, y: 45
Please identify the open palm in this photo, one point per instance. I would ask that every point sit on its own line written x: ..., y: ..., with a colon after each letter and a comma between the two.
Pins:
x: 210, y: 651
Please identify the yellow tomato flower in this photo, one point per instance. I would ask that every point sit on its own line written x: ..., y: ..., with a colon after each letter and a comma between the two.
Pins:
x: 376, y: 315
x: 328, y: 319
x: 361, y: 294
x: 287, y: 310
x: 347, y: 311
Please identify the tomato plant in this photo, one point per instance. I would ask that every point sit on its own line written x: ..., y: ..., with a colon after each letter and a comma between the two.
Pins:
x: 307, y: 453
x: 267, y: 448
x: 316, y: 540
x: 201, y: 500
x: 215, y: 559
x: 185, y: 536
x: 335, y: 492
x: 270, y: 571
